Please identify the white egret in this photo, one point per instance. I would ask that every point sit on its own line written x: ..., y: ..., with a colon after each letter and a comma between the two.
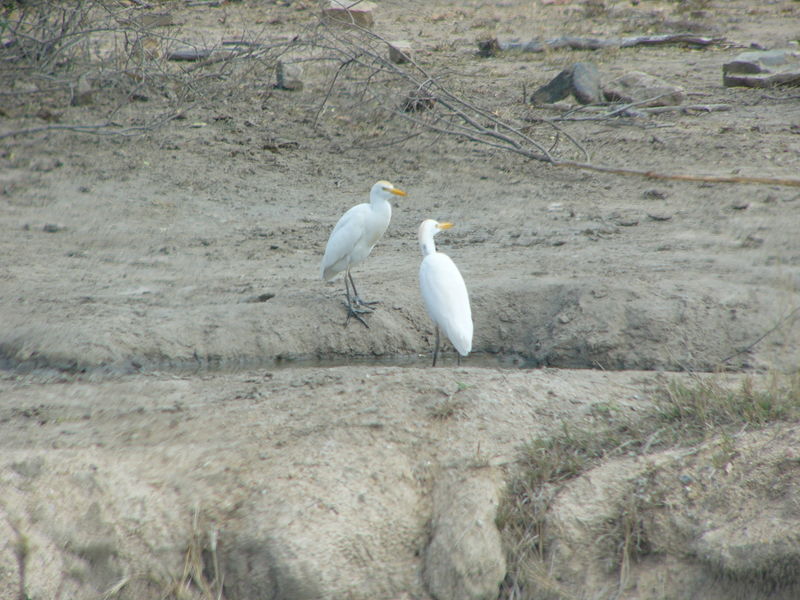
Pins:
x: 444, y: 292
x: 353, y: 238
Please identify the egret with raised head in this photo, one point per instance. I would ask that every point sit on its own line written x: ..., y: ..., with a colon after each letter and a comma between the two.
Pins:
x: 444, y: 292
x: 353, y: 238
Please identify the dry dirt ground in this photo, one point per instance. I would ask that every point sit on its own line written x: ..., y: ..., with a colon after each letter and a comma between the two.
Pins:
x: 170, y: 355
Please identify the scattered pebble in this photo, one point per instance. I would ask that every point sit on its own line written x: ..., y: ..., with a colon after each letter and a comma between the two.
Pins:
x: 260, y: 297
x: 654, y: 194
x: 659, y: 216
x: 53, y: 228
x: 740, y: 205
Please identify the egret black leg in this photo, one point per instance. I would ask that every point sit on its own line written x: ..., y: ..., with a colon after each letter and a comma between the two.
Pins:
x: 356, y: 297
x: 352, y: 311
x: 436, y: 347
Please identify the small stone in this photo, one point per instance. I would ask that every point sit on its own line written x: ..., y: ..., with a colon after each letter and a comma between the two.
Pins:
x: 53, y: 228
x: 82, y: 93
x: 45, y: 165
x: 400, y: 51
x: 740, y: 205
x: 659, y: 216
x: 654, y: 194
x: 288, y: 76
x: 752, y: 241
x: 638, y: 87
x: 163, y: 19
x: 260, y: 297
x: 488, y: 47
x: 345, y: 12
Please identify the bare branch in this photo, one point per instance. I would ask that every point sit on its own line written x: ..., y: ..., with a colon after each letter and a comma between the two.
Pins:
x: 99, y: 128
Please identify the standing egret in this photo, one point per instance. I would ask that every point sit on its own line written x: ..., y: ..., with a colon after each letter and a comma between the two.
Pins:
x: 353, y: 238
x: 444, y: 291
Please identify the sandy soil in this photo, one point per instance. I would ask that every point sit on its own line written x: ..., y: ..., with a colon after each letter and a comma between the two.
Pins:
x: 193, y: 250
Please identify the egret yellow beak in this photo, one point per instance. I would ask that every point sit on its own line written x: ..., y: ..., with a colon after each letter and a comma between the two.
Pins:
x: 397, y: 192
x: 445, y: 225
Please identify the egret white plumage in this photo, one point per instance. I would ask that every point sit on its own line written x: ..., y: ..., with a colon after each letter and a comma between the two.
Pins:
x: 444, y: 291
x: 353, y: 238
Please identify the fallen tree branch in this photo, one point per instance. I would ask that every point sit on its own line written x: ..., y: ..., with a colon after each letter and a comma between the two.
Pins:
x: 673, y: 177
x: 99, y: 128
x: 685, y: 108
x: 626, y: 110
x: 492, y: 46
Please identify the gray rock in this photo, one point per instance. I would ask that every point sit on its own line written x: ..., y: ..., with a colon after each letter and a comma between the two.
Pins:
x: 582, y: 80
x: 83, y: 92
x: 586, y: 83
x: 465, y: 560
x: 288, y: 76
x: 359, y: 14
x: 400, y: 51
x: 640, y: 87
x: 557, y: 89
x: 763, y: 69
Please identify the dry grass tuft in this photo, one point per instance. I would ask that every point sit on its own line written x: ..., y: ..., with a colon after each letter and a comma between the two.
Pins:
x: 684, y: 413
x: 200, y: 578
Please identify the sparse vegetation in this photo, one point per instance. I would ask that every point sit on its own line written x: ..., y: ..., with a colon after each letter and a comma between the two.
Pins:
x: 684, y: 414
x: 705, y: 405
x: 115, y: 56
x: 200, y: 577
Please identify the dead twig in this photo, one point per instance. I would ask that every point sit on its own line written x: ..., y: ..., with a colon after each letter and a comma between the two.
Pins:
x: 686, y: 108
x: 99, y: 128
x: 762, y: 336
x: 617, y: 111
x: 466, y: 119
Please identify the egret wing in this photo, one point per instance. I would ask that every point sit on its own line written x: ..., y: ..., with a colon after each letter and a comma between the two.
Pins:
x: 344, y: 237
x: 447, y: 300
